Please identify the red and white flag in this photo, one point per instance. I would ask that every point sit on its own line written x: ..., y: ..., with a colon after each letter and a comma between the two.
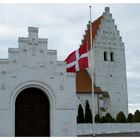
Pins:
x: 77, y: 60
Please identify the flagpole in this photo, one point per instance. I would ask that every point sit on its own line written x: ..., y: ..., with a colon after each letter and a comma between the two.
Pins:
x: 92, y: 75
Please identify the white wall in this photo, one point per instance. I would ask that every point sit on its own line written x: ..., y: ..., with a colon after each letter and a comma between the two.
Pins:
x: 84, y: 129
x: 33, y: 65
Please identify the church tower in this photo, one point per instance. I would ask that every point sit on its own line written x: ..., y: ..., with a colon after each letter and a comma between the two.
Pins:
x: 110, y: 65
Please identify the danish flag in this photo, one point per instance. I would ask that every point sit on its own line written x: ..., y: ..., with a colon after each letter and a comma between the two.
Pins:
x: 77, y: 60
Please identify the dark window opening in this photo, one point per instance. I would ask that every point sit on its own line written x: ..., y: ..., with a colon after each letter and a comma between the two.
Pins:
x: 112, y: 56
x: 105, y: 56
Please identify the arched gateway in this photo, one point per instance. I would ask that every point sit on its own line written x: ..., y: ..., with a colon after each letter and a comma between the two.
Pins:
x: 37, y: 96
x: 32, y: 113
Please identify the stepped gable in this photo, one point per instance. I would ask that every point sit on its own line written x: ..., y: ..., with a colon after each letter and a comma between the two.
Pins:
x: 95, y: 27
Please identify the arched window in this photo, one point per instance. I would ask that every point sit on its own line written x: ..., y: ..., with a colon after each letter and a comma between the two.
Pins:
x: 14, y: 68
x: 24, y: 57
x: 41, y: 58
x: 51, y: 69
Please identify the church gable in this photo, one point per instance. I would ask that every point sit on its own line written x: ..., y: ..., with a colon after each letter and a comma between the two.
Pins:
x: 108, y: 34
x: 104, y: 31
x: 32, y: 69
x: 33, y: 61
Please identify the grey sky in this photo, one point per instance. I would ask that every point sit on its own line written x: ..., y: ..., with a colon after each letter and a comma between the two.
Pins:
x: 64, y: 25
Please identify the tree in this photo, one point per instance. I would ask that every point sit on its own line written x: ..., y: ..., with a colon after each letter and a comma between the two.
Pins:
x: 130, y: 117
x: 120, y: 118
x: 136, y: 117
x: 88, y: 113
x: 97, y: 118
x: 80, y: 117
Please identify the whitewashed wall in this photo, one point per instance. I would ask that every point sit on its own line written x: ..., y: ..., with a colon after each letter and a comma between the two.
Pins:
x: 33, y: 65
x: 84, y: 129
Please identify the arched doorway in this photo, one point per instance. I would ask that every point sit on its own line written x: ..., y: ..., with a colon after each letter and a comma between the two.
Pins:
x: 32, y: 113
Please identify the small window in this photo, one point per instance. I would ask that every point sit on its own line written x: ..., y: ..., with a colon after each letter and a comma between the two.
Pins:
x: 105, y: 56
x: 112, y: 56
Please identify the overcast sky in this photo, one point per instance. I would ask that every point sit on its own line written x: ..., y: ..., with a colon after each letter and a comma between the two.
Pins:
x: 64, y: 26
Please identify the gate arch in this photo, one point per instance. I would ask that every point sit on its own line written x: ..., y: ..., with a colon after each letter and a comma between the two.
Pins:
x: 41, y: 86
x: 32, y: 111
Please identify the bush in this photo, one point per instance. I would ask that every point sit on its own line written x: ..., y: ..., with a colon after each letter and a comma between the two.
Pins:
x: 136, y: 117
x: 103, y: 120
x: 109, y: 118
x: 130, y: 117
x: 97, y: 118
x: 120, y: 118
x: 80, y: 117
x: 88, y: 114
x: 113, y: 120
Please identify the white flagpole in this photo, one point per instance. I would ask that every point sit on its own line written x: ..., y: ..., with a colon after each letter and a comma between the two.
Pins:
x: 92, y: 74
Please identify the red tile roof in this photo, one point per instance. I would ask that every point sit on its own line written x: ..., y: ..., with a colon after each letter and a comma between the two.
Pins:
x: 83, y: 83
x: 95, y: 27
x: 83, y: 80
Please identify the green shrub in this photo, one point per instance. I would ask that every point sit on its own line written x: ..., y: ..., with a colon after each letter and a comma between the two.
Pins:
x: 103, y: 120
x: 136, y: 117
x: 88, y: 113
x: 109, y: 118
x: 80, y: 117
x: 113, y: 120
x: 97, y: 118
x: 120, y: 118
x: 130, y: 117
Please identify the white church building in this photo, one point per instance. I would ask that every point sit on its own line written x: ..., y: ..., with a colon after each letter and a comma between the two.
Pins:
x: 38, y: 97
x: 110, y: 80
